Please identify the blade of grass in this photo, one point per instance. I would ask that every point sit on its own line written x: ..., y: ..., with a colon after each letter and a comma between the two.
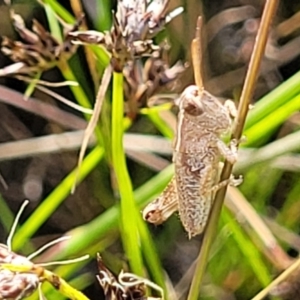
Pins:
x: 283, y: 276
x: 129, y: 226
x: 6, y: 216
x: 64, y: 287
x: 92, y: 125
x: 108, y: 221
x: 102, y: 55
x: 31, y: 86
x: 250, y: 251
x: 82, y: 99
x: 59, y: 194
x: 287, y: 144
x: 271, y: 121
x: 150, y: 254
x: 103, y: 20
x: 60, y: 10
x: 53, y: 23
x: 79, y: 283
x: 273, y: 100
x: 160, y: 124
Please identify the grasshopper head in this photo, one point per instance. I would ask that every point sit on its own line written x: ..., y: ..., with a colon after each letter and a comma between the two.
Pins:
x: 204, y: 109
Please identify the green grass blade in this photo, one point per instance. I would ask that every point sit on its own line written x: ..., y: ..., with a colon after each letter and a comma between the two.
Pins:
x: 60, y: 11
x: 99, y: 227
x: 80, y: 282
x: 102, y: 55
x: 129, y: 226
x: 272, y: 121
x: 273, y: 100
x: 151, y: 255
x: 160, y: 124
x: 6, y: 216
x: 78, y: 92
x: 53, y: 23
x: 50, y: 204
x: 103, y: 20
x: 31, y: 86
x: 251, y: 252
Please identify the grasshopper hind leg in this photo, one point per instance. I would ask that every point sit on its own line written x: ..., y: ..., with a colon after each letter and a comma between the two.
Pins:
x: 159, y: 210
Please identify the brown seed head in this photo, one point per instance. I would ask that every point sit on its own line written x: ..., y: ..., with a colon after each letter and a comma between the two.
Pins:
x: 126, y: 287
x: 38, y: 51
x: 142, y: 81
x: 134, y: 25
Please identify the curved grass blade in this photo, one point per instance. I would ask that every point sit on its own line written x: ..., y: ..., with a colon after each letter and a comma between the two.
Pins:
x: 273, y: 100
x: 250, y: 251
x: 271, y: 122
x: 108, y: 220
x: 59, y: 194
x: 94, y: 119
x: 59, y: 10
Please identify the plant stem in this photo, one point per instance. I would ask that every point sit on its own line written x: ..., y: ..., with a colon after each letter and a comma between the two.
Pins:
x: 129, y: 226
x: 282, y: 277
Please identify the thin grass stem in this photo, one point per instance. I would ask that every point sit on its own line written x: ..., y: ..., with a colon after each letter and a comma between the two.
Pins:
x: 283, y: 276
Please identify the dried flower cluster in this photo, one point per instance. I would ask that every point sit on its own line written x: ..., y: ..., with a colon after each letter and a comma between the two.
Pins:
x: 134, y: 25
x: 126, y: 287
x: 39, y: 50
x: 19, y: 277
x: 143, y: 81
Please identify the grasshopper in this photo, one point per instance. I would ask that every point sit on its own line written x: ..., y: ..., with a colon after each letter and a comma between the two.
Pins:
x: 197, y: 150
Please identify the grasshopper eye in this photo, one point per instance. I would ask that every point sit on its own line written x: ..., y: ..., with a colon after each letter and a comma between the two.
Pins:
x: 190, y: 101
x: 194, y: 109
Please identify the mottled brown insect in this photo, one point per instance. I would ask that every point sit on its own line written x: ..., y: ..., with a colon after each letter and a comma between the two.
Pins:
x: 198, y: 148
x: 202, y: 120
x: 197, y: 153
x: 159, y: 210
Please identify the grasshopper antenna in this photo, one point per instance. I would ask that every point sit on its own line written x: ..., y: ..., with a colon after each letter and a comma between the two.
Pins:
x: 196, y: 50
x: 15, y: 224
